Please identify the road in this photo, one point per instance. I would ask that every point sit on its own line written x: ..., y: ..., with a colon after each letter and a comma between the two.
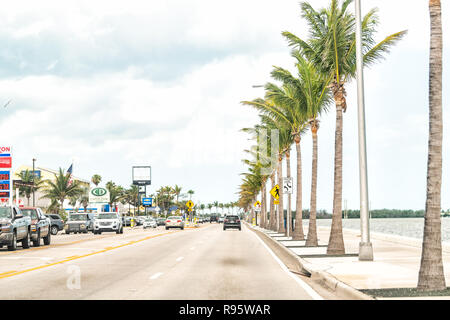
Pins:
x: 200, y: 263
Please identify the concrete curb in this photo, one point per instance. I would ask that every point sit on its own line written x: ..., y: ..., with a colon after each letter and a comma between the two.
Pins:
x: 321, y: 277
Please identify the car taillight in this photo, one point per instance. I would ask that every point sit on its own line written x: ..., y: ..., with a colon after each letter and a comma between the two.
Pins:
x: 178, y: 220
x: 167, y: 220
x: 238, y: 220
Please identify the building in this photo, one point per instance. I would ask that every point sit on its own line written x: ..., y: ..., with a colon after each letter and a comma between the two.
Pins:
x: 44, y: 174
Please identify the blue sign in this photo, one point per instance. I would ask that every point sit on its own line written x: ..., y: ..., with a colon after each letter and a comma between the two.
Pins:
x: 147, y: 201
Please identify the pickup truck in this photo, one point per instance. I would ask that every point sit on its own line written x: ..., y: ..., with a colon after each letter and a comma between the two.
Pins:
x: 40, y: 225
x: 14, y: 227
x: 79, y: 223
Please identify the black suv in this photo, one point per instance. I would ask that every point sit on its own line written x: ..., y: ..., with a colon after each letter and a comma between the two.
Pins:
x: 213, y: 219
x: 232, y: 222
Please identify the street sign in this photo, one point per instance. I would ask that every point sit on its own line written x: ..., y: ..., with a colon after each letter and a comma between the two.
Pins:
x: 257, y: 203
x: 99, y: 195
x: 5, y: 174
x: 275, y: 192
x: 287, y: 185
x: 142, y: 175
x: 147, y: 202
x: 276, y: 202
x: 190, y: 204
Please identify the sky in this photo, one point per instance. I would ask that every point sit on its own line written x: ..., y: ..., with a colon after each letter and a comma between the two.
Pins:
x: 111, y: 84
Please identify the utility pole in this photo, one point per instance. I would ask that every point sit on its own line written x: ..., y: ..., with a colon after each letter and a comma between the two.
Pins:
x: 33, y: 181
x: 365, y: 246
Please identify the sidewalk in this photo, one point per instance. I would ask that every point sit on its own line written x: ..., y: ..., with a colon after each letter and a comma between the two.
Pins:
x: 396, y: 260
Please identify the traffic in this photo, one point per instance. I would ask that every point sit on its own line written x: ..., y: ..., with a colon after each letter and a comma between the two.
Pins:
x: 29, y: 226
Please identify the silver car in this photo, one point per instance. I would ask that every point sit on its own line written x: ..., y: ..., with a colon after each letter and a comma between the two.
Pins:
x: 149, y: 223
x: 175, y: 222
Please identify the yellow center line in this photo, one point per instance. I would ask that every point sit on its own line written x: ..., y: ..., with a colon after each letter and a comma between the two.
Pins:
x: 14, y: 273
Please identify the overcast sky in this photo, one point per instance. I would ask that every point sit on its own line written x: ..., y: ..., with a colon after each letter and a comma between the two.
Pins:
x: 112, y: 84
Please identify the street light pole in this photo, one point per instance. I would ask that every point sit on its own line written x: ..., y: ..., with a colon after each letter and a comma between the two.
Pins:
x: 365, y: 246
x: 33, y: 182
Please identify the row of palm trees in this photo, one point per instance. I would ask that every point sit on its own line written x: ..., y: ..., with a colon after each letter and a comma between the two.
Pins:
x: 325, y: 63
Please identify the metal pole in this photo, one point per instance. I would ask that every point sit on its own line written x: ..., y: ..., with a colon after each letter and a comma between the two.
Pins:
x: 365, y: 246
x: 33, y: 182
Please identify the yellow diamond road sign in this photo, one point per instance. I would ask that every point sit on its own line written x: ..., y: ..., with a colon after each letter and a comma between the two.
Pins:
x: 257, y: 203
x: 275, y: 192
x: 190, y: 204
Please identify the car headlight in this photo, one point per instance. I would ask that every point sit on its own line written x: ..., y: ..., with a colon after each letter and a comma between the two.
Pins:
x: 6, y: 227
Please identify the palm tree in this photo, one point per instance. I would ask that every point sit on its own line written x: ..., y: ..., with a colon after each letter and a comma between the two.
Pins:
x: 177, y: 191
x: 60, y: 189
x: 190, y: 192
x: 96, y: 179
x: 431, y: 273
x: 26, y: 189
x: 317, y: 98
x: 331, y: 48
x: 116, y: 193
x: 286, y: 106
x: 84, y: 198
x: 210, y: 205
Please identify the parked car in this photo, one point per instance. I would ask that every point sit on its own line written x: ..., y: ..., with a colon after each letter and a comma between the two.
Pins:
x: 232, y: 221
x: 14, y: 228
x: 149, y: 223
x: 175, y: 222
x: 161, y: 222
x: 40, y: 225
x: 108, y: 222
x: 79, y: 222
x: 213, y: 219
x: 56, y: 223
x: 220, y: 220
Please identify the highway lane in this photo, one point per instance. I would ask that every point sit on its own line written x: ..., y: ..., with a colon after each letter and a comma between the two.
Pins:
x: 203, y: 263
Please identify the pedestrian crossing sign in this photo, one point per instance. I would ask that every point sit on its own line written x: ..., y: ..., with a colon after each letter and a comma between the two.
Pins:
x: 275, y: 192
x: 190, y: 204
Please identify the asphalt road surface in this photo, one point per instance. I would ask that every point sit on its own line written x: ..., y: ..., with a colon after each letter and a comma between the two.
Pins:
x: 200, y: 263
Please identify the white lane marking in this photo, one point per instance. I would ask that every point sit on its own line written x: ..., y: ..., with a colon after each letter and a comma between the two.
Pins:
x: 303, y: 284
x: 179, y: 259
x: 156, y: 275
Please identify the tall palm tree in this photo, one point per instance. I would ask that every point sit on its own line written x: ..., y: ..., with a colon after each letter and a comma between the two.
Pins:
x: 190, y: 192
x: 177, y: 191
x: 331, y: 48
x: 96, y: 179
x: 286, y: 106
x: 210, y: 205
x: 317, y: 98
x: 60, y: 189
x: 431, y: 273
x: 84, y: 198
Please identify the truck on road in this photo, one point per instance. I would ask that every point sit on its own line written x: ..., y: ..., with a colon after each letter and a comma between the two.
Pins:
x: 40, y: 225
x: 14, y: 227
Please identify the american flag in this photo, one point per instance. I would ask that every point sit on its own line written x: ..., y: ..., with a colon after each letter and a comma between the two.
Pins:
x: 69, y: 171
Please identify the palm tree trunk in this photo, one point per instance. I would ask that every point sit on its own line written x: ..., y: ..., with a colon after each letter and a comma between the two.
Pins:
x: 311, y: 240
x: 272, y: 222
x: 431, y: 273
x: 264, y: 206
x: 298, y: 229
x: 281, y: 228
x: 289, y: 213
x: 336, y: 241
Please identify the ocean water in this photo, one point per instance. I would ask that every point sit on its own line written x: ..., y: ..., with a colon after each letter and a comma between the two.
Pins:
x: 407, y: 227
